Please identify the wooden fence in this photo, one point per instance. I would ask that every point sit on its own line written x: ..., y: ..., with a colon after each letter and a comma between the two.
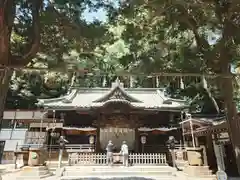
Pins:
x: 101, y: 159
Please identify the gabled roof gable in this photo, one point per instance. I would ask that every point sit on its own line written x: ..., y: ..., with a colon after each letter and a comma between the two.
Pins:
x: 117, y: 93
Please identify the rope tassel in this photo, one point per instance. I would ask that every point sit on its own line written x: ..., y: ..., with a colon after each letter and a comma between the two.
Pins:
x: 157, y: 81
x: 182, y: 86
x: 104, y: 81
x: 204, y: 81
x: 131, y: 81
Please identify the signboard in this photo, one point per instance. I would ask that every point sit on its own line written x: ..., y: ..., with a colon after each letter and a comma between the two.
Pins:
x: 223, y: 138
x: 223, y: 135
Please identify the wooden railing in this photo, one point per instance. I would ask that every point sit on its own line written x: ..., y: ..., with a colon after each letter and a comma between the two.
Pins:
x: 80, y: 148
x: 68, y: 147
x: 148, y: 158
x: 87, y: 158
x: 101, y: 159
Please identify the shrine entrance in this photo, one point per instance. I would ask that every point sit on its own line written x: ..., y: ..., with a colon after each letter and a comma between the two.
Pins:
x: 117, y: 136
x: 117, y: 127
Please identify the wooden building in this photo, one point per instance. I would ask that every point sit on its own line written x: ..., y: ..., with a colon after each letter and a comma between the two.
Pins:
x: 212, y: 135
x: 14, y: 130
x: 144, y: 117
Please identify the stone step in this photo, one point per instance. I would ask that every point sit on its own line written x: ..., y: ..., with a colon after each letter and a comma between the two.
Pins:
x: 72, y: 173
x: 103, y: 168
x: 203, y: 177
x: 52, y: 166
x: 37, y: 172
x: 117, y: 177
x: 118, y: 171
x: 199, y: 171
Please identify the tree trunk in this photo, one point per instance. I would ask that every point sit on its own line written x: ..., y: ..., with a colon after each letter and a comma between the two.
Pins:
x: 5, y: 77
x: 233, y: 121
x: 227, y: 90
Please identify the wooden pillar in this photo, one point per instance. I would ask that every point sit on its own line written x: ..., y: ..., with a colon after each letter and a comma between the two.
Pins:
x: 98, y: 147
x: 136, y: 148
x: 134, y: 124
x: 210, y: 151
x: 196, y: 141
x: 205, y: 161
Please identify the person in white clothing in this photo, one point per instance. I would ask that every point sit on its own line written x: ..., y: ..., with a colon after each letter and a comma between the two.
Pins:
x: 124, y: 152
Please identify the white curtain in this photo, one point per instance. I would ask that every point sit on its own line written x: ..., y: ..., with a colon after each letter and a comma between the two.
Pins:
x: 117, y: 136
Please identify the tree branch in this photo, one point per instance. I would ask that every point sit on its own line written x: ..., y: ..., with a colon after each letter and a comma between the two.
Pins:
x: 7, y: 14
x: 34, y: 47
x: 192, y: 24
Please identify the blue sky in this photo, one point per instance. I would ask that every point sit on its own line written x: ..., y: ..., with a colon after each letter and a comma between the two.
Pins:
x: 100, y: 15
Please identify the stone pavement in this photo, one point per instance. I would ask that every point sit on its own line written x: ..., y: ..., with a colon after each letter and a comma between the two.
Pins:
x: 15, y: 175
x: 9, y: 173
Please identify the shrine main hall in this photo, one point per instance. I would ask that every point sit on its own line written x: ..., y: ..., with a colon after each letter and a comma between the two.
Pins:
x: 143, y: 117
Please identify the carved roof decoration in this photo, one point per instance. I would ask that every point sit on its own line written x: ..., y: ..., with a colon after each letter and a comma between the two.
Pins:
x: 86, y: 98
x: 117, y: 93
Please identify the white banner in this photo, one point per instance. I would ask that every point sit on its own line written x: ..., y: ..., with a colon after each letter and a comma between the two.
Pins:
x: 117, y: 136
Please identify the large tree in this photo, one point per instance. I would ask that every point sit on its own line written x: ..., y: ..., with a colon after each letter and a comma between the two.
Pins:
x: 199, y: 36
x: 47, y: 32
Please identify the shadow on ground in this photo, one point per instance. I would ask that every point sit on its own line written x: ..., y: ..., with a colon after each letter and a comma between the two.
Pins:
x: 120, y: 178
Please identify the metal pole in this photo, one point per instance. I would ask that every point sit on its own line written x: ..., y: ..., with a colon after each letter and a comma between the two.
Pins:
x: 41, y: 125
x: 182, y: 126
x: 51, y: 138
x: 60, y: 158
x: 142, y: 148
x: 193, y: 138
x: 16, y: 156
x: 14, y: 123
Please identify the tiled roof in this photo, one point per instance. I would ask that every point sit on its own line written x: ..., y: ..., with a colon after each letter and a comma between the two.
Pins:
x: 97, y: 97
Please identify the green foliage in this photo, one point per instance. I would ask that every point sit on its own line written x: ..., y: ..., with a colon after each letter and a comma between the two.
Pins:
x: 67, y: 45
x: 142, y: 37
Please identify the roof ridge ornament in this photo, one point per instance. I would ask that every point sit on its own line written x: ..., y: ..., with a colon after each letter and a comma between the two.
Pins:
x: 117, y: 83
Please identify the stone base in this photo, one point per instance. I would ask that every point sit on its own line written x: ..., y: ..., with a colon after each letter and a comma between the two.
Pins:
x: 199, y: 171
x: 59, y: 171
x: 181, y: 164
x: 37, y: 172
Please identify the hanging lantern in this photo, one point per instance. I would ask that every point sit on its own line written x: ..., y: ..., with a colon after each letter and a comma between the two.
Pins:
x: 91, y: 139
x: 204, y: 82
x: 62, y: 117
x: 143, y: 139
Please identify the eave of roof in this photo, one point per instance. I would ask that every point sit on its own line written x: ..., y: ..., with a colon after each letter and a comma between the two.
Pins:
x: 152, y: 98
